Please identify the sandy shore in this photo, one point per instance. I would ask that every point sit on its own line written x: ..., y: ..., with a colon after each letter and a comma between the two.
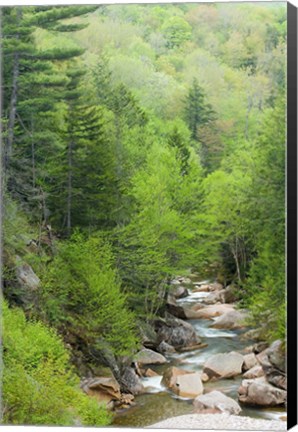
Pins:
x: 220, y: 421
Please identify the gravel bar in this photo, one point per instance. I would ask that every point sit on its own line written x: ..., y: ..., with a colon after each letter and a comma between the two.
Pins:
x: 220, y: 422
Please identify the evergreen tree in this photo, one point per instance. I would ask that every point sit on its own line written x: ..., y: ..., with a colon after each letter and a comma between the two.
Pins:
x: 197, y: 111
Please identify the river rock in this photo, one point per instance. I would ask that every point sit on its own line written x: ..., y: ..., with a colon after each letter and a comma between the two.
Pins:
x: 174, y: 309
x: 213, y: 311
x: 274, y: 375
x: 149, y: 373
x: 276, y: 378
x: 180, y: 292
x: 131, y: 381
x: 232, y: 319
x: 176, y: 332
x: 249, y: 361
x: 170, y: 375
x: 104, y: 389
x: 201, y: 288
x: 276, y: 355
x: 254, y: 372
x: 165, y: 348
x: 183, y: 383
x: 259, y: 347
x: 217, y: 401
x: 193, y: 314
x: 215, y: 286
x: 189, y: 385
x: 213, y: 298
x: 147, y: 356
x: 126, y: 401
x: 259, y: 392
x: 225, y: 365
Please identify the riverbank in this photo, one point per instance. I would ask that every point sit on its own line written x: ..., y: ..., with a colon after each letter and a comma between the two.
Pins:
x: 219, y: 422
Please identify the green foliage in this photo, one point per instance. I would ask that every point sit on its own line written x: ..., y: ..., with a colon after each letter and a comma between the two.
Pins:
x: 83, y: 269
x: 161, y: 236
x: 177, y: 31
x: 39, y: 386
x: 157, y: 133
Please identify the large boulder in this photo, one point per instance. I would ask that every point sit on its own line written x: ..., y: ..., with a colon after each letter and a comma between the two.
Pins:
x: 213, y: 298
x: 183, y: 383
x: 232, y: 319
x: 189, y: 385
x: 213, y: 311
x: 174, y: 309
x: 249, y: 361
x: 170, y: 375
x: 254, y: 372
x: 165, y: 348
x: 201, y: 288
x: 192, y: 313
x: 180, y: 292
x: 276, y: 355
x: 147, y: 356
x: 225, y: 365
x: 269, y: 359
x: 104, y: 389
x: 131, y: 382
x: 149, y: 373
x: 26, y: 277
x: 176, y: 332
x: 216, y: 400
x: 259, y: 392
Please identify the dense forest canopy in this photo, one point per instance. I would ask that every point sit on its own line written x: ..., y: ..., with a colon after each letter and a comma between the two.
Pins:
x: 140, y: 142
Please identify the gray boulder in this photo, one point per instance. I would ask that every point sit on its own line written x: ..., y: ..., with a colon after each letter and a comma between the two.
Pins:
x: 131, y: 381
x: 254, y: 372
x: 216, y: 400
x: 180, y: 292
x: 249, y: 361
x: 174, y: 309
x: 26, y: 277
x: 147, y: 356
x: 165, y: 348
x: 259, y: 392
x: 276, y: 355
x: 233, y: 319
x: 183, y: 383
x: 176, y: 332
x: 225, y: 365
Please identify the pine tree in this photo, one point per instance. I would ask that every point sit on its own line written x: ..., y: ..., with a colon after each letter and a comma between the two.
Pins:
x: 30, y: 76
x: 197, y: 112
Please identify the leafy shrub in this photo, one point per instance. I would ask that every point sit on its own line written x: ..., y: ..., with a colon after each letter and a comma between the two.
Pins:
x: 39, y: 385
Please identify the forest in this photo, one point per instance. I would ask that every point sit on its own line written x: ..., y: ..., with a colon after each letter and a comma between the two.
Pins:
x: 141, y: 143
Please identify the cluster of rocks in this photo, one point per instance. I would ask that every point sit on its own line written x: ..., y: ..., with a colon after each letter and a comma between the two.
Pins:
x: 107, y: 390
x: 261, y: 366
x: 219, y: 305
x: 265, y: 382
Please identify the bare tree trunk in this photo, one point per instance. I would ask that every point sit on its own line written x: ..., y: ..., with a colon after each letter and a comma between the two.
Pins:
x: 69, y: 188
x: 235, y: 255
x: 13, y: 101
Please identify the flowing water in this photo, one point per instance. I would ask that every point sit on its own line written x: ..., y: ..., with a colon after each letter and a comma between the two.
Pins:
x: 158, y: 403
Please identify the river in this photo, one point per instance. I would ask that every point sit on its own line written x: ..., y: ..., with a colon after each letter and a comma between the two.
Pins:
x: 159, y: 403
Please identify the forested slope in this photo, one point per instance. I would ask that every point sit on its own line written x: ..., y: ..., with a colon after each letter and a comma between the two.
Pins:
x: 141, y: 142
